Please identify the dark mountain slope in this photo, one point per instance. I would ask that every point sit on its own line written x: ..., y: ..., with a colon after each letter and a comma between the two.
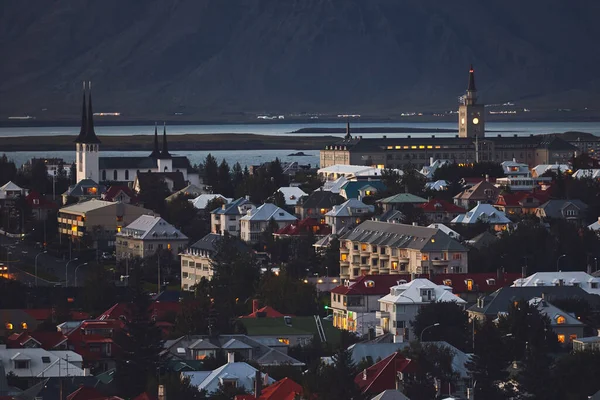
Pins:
x: 211, y: 57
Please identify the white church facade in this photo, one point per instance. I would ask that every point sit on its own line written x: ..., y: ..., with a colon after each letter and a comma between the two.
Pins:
x: 90, y: 165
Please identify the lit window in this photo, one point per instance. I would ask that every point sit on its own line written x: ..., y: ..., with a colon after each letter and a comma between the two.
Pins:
x: 456, y: 256
x: 119, y: 229
x: 363, y: 247
x: 424, y: 257
x: 284, y: 340
x: 344, y: 257
x: 469, y: 284
x: 561, y: 338
x: 561, y: 320
x: 74, y: 228
x: 9, y: 326
x: 24, y: 325
x: 421, y: 147
x: 394, y: 265
x: 572, y: 337
x: 447, y: 282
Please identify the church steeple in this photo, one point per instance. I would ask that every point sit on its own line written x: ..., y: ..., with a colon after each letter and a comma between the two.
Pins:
x: 87, y: 134
x: 83, y: 129
x: 165, y: 152
x: 155, y: 152
x: 471, y: 96
x: 348, y: 136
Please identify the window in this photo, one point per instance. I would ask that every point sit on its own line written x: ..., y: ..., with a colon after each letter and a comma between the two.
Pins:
x: 8, y: 326
x: 363, y: 247
x: 401, y: 324
x: 425, y: 257
x: 126, y: 174
x: 456, y: 256
x: 284, y: 341
x: 469, y: 284
x: 46, y: 360
x: 344, y: 257
x: 561, y: 338
x: 572, y: 337
x: 594, y: 285
x: 184, y: 275
x: 21, y: 364
x: 394, y: 265
x: 24, y: 325
x: 560, y: 320
x: 115, y: 176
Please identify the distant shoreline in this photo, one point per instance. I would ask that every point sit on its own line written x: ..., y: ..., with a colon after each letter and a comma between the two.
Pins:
x: 222, y: 141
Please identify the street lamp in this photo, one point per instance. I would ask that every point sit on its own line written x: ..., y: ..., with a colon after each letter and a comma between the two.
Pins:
x: 427, y: 327
x: 67, y: 271
x: 558, y: 261
x: 36, y: 257
x: 76, y: 268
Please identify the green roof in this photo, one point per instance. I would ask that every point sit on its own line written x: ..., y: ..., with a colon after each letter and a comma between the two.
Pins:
x: 403, y: 198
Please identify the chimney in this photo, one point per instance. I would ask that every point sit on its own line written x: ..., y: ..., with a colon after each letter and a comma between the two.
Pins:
x: 254, y: 305
x: 487, y: 178
x: 162, y: 392
x: 430, y: 161
x: 431, y: 273
x: 230, y: 357
x: 589, y: 269
x: 400, y: 382
x: 524, y: 272
x: 412, y: 276
x: 543, y: 296
x: 257, y: 384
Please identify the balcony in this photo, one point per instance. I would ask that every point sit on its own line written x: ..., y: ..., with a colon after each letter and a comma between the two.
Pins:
x: 365, y: 267
x: 439, y: 263
x: 344, y: 263
x: 382, y: 314
x: 384, y: 256
x: 403, y: 260
x: 384, y: 271
x: 366, y: 252
x: 344, y: 276
x: 344, y: 250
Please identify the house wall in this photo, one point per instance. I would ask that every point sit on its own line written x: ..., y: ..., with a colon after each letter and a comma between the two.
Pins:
x: 194, y: 268
x: 397, y: 318
x: 129, y: 247
x: 250, y: 231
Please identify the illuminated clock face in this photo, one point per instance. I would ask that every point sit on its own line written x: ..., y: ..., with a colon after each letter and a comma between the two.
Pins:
x: 462, y: 121
x: 475, y: 121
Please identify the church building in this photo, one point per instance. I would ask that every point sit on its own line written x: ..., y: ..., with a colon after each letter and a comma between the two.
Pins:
x: 90, y: 165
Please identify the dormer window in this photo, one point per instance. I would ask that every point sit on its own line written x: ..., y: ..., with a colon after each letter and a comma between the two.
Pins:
x: 369, y: 284
x: 560, y: 319
x: 21, y: 364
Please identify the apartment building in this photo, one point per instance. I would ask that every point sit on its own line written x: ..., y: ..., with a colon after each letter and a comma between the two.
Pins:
x: 347, y: 214
x: 400, y: 307
x: 227, y: 218
x: 146, y: 235
x: 196, y: 260
x: 257, y: 220
x: 97, y: 221
x: 375, y: 247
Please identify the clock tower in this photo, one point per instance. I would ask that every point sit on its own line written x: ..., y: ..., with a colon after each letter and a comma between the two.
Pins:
x: 471, y: 115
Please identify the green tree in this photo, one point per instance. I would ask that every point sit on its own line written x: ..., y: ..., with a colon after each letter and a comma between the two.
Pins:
x: 8, y: 170
x: 342, y: 372
x: 452, y: 319
x: 288, y: 295
x: 99, y: 292
x: 211, y: 170
x: 39, y: 176
x: 275, y: 172
x: 279, y: 199
x: 412, y: 180
x: 153, y: 194
x: 224, y: 184
x: 576, y: 375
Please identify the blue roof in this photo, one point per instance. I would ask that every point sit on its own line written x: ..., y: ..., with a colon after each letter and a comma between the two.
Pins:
x: 352, y: 188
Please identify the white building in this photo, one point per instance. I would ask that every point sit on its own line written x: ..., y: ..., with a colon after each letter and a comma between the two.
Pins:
x: 539, y: 170
x: 146, y: 235
x: 10, y: 191
x: 437, y: 185
x: 202, y: 201
x: 587, y: 174
x: 40, y: 363
x: 347, y: 214
x: 595, y: 226
x: 256, y: 221
x: 351, y: 172
x: 450, y: 232
x: 429, y: 170
x: 402, y: 304
x: 227, y: 218
x: 515, y: 169
x: 485, y: 213
x: 196, y: 260
x: 233, y: 374
x: 291, y: 194
x: 584, y: 280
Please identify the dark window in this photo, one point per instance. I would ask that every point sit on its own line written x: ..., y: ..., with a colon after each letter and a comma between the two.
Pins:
x: 115, y: 175
x: 103, y: 174
x: 126, y: 174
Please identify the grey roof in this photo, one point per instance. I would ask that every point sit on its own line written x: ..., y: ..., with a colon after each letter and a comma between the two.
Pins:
x: 208, y: 242
x: 390, y: 395
x: 231, y: 208
x: 322, y: 199
x: 553, y: 208
x: 203, y: 344
x: 501, y: 299
x: 267, y: 212
x: 392, y: 216
x: 403, y: 236
x: 235, y: 344
x: 554, y: 312
x: 80, y: 189
x: 350, y: 208
x: 275, y: 357
x: 87, y: 206
x: 403, y: 198
x: 483, y: 240
x: 141, y: 163
x: 148, y: 227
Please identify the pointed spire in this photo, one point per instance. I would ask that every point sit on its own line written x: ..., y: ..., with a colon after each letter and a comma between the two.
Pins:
x: 471, y: 87
x: 348, y: 136
x: 155, y: 152
x: 165, y: 152
x: 83, y: 130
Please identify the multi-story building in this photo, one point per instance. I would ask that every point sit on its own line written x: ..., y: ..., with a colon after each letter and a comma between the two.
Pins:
x: 482, y: 192
x: 470, y: 145
x: 147, y: 234
x: 484, y: 213
x: 375, y: 247
x: 227, y: 218
x: 566, y: 326
x: 97, y: 221
x: 580, y: 279
x: 402, y: 304
x: 317, y: 204
x: 347, y: 214
x: 256, y: 221
x: 438, y: 210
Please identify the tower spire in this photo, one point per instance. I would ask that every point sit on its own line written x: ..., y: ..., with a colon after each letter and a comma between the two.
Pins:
x: 83, y: 130
x: 471, y: 87
x: 88, y: 135
x: 155, y: 152
x: 348, y: 136
x: 165, y: 151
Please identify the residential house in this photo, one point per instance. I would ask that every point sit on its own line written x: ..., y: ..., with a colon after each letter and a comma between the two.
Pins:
x: 450, y: 232
x: 264, y: 312
x: 291, y: 194
x: 334, y: 186
x: 587, y: 174
x: 227, y: 217
x: 483, y: 240
x: 285, y: 389
x: 521, y: 202
x: 566, y: 326
x: 438, y: 185
x: 472, y: 286
x: 34, y: 363
x: 51, y: 340
x: 361, y: 189
x: 85, y: 189
x: 428, y: 171
x: 40, y: 206
x: 484, y: 213
x: 392, y: 216
x: 514, y: 168
x: 95, y: 341
x: 344, y: 215
x: 570, y: 210
x: 233, y: 374
x: 400, y: 307
x: 97, y: 221
x: 498, y: 302
x: 306, y: 226
x: 390, y: 373
x: 541, y: 169
x: 174, y: 181
x: 591, y: 343
x: 196, y: 260
x: 147, y: 235
x: 376, y: 247
x: 288, y: 330
x: 10, y: 191
x: 483, y: 192
x: 354, y: 303
x: 400, y: 200
x: 595, y: 226
x: 440, y: 210
x: 257, y: 220
x: 202, y: 201
x: 190, y: 191
x: 517, y: 176
x: 391, y: 394
x: 317, y: 204
x: 587, y: 282
x: 198, y: 347
x: 121, y: 194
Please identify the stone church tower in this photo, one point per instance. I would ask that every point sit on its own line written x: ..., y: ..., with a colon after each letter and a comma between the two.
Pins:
x: 471, y: 115
x: 87, y: 144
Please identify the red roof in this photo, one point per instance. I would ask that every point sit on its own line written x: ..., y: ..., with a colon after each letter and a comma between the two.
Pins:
x: 285, y: 389
x: 115, y: 312
x: 304, y: 227
x: 382, y: 375
x: 436, y: 205
x: 43, y: 314
x: 269, y: 312
x: 519, y: 199
x: 86, y: 393
x: 41, y: 201
x: 370, y: 285
x: 47, y: 340
x: 114, y: 191
x: 145, y: 396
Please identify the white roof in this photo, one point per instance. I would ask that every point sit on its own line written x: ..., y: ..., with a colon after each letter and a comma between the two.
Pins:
x: 267, y: 212
x: 42, y: 363
x: 540, y: 169
x: 437, y: 185
x: 429, y: 170
x: 595, y: 226
x: 350, y: 208
x: 335, y: 186
x: 569, y: 278
x: 348, y: 169
x: 513, y: 167
x: 241, y: 372
x: 482, y: 212
x: 409, y: 293
x: 291, y: 194
x: 587, y: 173
x: 201, y: 201
x: 150, y: 227
x: 452, y: 233
x: 11, y: 186
x: 390, y: 395
x: 86, y: 206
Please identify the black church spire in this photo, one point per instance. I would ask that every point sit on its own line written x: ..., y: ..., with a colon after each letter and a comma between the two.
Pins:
x: 348, y: 136
x: 87, y: 134
x: 83, y: 129
x: 165, y: 152
x: 155, y: 152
